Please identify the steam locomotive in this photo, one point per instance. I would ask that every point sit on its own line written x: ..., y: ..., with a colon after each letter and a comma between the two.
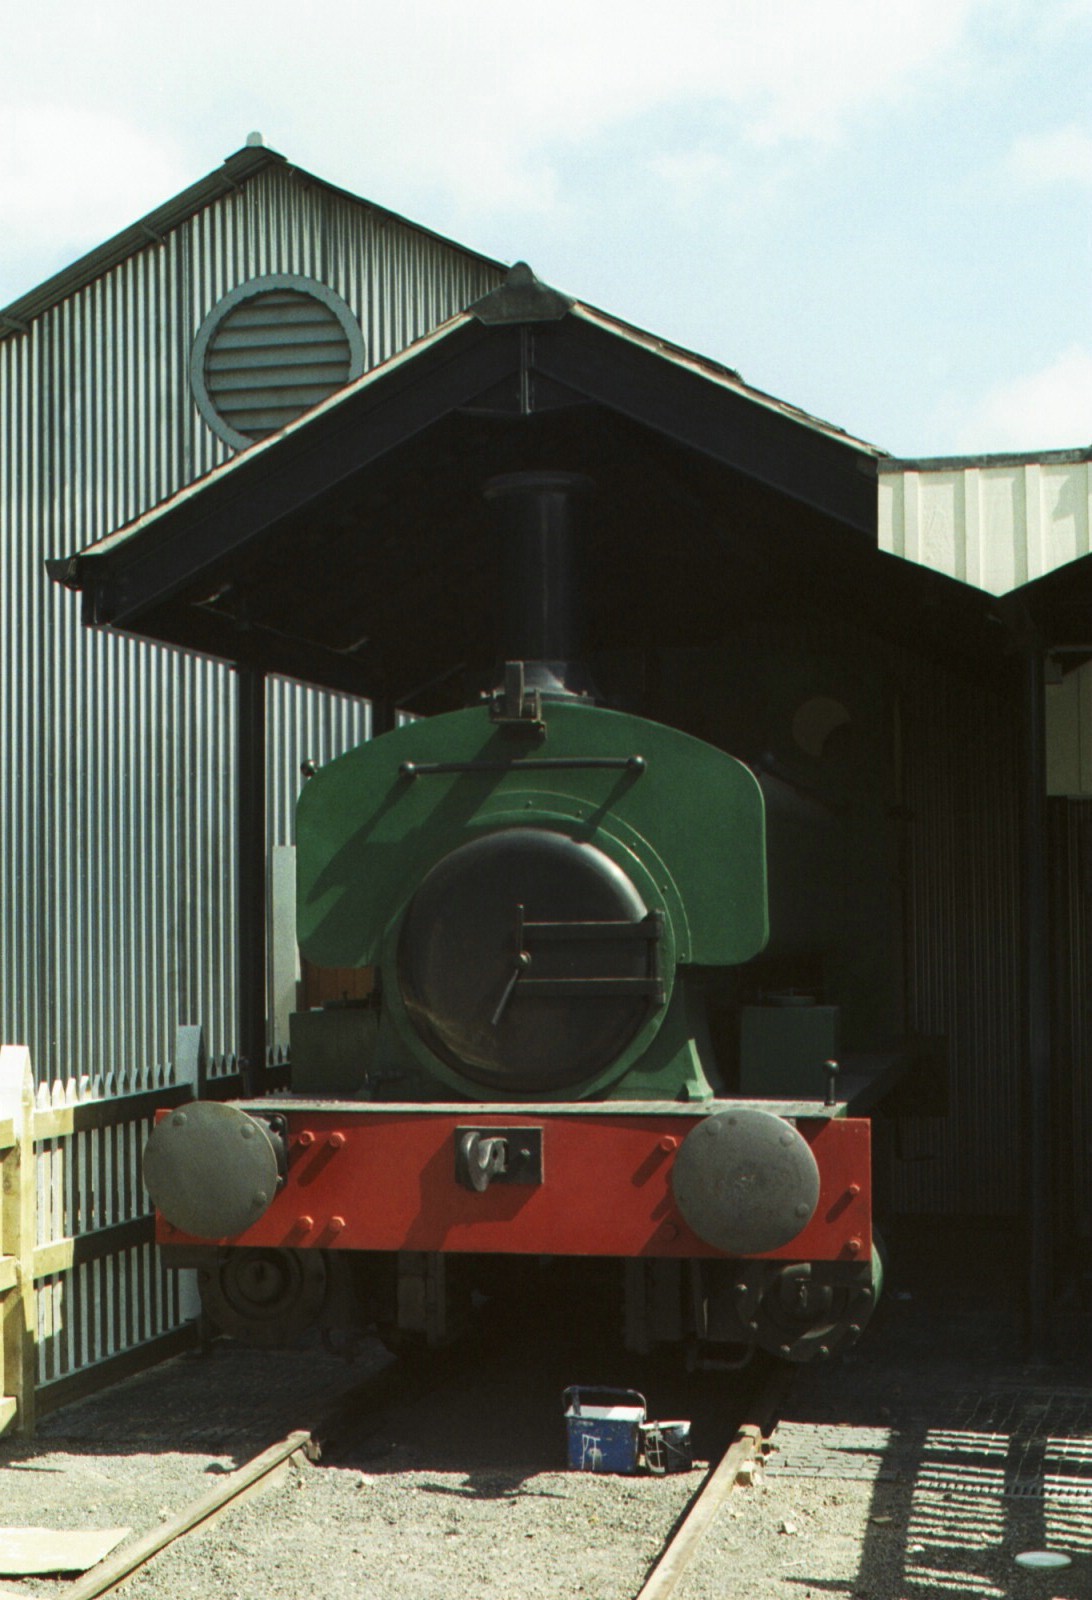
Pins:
x: 559, y: 1058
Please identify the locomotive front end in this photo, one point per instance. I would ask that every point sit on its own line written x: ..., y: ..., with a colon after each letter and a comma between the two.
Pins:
x: 552, y: 898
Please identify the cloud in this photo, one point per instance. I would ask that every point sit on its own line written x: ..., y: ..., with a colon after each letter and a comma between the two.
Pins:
x: 1061, y: 155
x: 502, y: 96
x: 487, y: 102
x: 1049, y: 409
x: 688, y: 176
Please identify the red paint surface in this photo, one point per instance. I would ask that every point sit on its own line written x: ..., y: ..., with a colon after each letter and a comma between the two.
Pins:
x: 389, y: 1180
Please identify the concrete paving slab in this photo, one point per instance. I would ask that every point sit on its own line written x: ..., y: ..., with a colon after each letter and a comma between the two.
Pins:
x: 25, y: 1552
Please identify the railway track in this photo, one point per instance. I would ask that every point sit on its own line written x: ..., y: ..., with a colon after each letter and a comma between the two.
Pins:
x: 334, y: 1430
x: 762, y: 1408
x: 357, y: 1414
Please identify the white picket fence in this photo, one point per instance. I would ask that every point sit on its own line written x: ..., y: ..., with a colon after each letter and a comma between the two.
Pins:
x: 84, y: 1299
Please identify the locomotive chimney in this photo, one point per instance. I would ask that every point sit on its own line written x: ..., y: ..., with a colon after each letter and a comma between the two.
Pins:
x: 537, y: 513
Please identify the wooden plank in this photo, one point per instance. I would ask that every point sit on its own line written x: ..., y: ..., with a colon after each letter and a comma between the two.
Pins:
x: 8, y: 1408
x: 18, y: 1211
x: 7, y: 1133
x: 57, y: 1122
x: 60, y: 1255
x: 101, y: 1374
x: 9, y: 1273
x: 35, y: 1552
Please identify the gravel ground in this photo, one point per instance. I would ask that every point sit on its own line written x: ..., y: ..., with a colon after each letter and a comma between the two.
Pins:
x: 459, y: 1494
x: 908, y: 1471
x: 793, y: 1539
x: 429, y: 1536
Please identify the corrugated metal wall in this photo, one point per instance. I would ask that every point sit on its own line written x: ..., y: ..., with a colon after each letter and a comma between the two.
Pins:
x: 1069, y: 733
x: 1070, y: 825
x: 996, y: 522
x: 116, y: 797
x: 960, y: 794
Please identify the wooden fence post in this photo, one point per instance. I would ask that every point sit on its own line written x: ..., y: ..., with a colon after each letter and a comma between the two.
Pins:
x: 18, y: 1224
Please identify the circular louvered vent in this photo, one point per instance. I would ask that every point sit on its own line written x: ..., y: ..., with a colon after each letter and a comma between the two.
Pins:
x: 270, y: 350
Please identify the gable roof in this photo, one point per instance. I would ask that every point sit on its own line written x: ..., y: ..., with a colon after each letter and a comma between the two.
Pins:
x: 352, y: 549
x: 236, y: 170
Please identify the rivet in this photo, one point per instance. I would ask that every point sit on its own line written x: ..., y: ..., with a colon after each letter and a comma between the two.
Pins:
x: 669, y: 1231
x: 711, y: 1125
x: 668, y: 1142
x: 855, y: 1330
x: 854, y: 1189
x: 336, y: 1140
x: 260, y: 1199
x: 784, y: 1350
x: 306, y: 1138
x: 179, y: 1119
x: 802, y: 1209
x: 786, y: 1140
x: 305, y: 1224
x: 247, y: 1130
x: 853, y: 1246
x: 337, y: 1224
x: 823, y: 1352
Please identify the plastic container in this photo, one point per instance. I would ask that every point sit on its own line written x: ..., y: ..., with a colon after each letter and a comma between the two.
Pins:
x: 603, y: 1428
x: 667, y: 1446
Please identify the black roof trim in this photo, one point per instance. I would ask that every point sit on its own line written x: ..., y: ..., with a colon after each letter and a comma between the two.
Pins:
x: 458, y: 368
x: 473, y: 397
x: 152, y: 229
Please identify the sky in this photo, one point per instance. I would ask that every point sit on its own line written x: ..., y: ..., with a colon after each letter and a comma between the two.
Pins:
x: 879, y: 210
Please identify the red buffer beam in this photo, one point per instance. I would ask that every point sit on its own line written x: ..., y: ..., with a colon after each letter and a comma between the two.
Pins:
x: 376, y: 1180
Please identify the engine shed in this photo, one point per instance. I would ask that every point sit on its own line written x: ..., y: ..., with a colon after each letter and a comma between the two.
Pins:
x: 733, y: 585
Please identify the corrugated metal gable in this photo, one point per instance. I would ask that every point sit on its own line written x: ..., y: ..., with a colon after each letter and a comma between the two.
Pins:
x: 997, y: 522
x: 117, y: 809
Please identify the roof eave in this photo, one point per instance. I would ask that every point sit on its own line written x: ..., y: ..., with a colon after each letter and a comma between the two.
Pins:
x: 659, y: 388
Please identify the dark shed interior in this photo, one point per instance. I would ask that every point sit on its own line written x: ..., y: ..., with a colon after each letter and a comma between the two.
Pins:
x: 730, y: 540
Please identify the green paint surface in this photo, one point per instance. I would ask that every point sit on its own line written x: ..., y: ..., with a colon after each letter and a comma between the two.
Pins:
x: 692, y: 822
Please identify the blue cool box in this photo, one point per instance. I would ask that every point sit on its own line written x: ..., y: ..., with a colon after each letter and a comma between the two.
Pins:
x: 604, y: 1435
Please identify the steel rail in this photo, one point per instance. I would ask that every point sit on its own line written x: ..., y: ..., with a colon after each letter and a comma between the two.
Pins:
x: 678, y: 1552
x: 345, y: 1420
x: 341, y: 1423
x: 110, y: 1574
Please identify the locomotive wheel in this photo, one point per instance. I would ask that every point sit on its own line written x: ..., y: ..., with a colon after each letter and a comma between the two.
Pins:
x: 265, y: 1297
